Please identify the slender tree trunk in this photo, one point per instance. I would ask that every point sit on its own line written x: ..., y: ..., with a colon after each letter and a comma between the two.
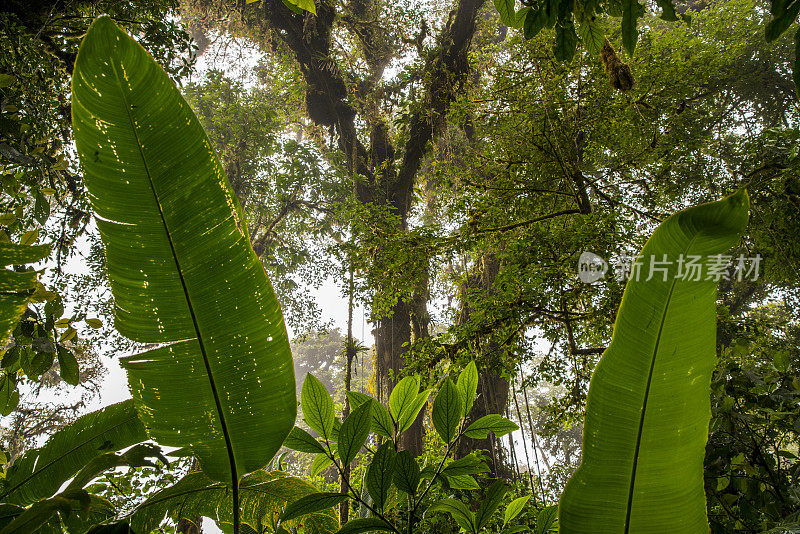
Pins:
x: 533, y: 439
x: 344, y: 506
x: 524, y: 443
x: 512, y: 448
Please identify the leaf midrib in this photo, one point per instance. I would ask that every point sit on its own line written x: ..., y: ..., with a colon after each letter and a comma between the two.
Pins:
x: 212, y: 384
x: 255, y: 488
x: 647, y: 393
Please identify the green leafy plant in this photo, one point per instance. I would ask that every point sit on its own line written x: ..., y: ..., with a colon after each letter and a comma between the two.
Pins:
x: 17, y: 289
x: 576, y: 22
x: 564, y: 15
x: 376, y: 429
x: 648, y: 408
x: 184, y: 277
x: 263, y: 497
x: 219, y: 382
x: 77, y: 454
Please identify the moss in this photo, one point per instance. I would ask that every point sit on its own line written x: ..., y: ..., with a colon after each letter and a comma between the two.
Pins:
x: 619, y: 73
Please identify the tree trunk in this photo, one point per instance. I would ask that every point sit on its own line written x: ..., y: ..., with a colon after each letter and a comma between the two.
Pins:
x: 392, y: 337
x: 492, y: 396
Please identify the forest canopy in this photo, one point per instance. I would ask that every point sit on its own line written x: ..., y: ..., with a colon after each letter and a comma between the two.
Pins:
x: 325, y: 266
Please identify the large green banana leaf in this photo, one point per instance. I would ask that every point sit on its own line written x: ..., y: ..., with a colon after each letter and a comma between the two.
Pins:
x: 15, y: 286
x: 39, y: 473
x: 181, y: 267
x: 648, y: 408
x: 263, y: 497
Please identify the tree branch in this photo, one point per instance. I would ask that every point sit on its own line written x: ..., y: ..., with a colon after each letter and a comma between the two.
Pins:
x: 447, y: 70
x: 512, y: 226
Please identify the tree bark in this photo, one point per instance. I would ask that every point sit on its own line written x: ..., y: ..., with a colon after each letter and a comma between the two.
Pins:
x: 492, y: 397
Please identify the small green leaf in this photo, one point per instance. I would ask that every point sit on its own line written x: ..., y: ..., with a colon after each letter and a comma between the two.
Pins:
x: 292, y: 7
x: 41, y: 208
x: 491, y: 501
x: 403, y: 395
x: 357, y: 398
x: 68, y: 366
x: 566, y: 40
x: 592, y: 36
x: 462, y: 482
x: 406, y: 472
x: 380, y: 473
x: 29, y: 237
x: 514, y: 508
x: 6, y: 80
x: 410, y: 414
x: 94, y: 323
x: 547, y: 519
x: 9, y: 396
x: 521, y: 15
x: 781, y: 361
x: 632, y: 11
x: 365, y: 524
x: 506, y: 10
x: 459, y: 511
x: 317, y: 406
x: 535, y: 20
x: 468, y: 465
x: 309, y: 504
x: 321, y: 462
x: 67, y: 334
x: 40, y: 364
x: 467, y: 385
x: 490, y: 423
x: 667, y: 10
x: 447, y: 409
x: 354, y: 432
x: 308, y: 5
x: 381, y: 420
x: 300, y: 440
